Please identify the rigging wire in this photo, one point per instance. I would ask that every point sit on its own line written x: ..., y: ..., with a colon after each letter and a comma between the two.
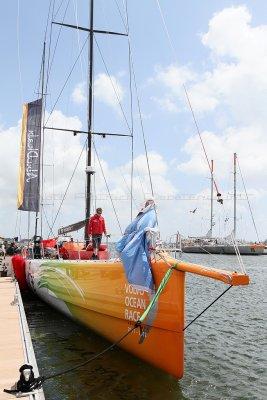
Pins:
x: 28, y: 227
x: 140, y: 181
x: 18, y: 52
x: 20, y: 224
x: 188, y: 98
x: 49, y: 50
x: 143, y: 131
x: 250, y: 209
x: 47, y: 21
x: 198, y: 130
x: 16, y: 223
x: 66, y: 81
x: 128, y: 188
x: 44, y: 84
x: 126, y: 25
x: 48, y: 224
x: 111, y: 199
x: 50, y: 63
x: 65, y: 193
x: 57, y: 40
x: 59, y: 7
x: 56, y: 44
x: 131, y: 105
x: 113, y: 86
x: 42, y: 140
x: 38, y: 83
x: 131, y: 125
x: 75, y: 6
x: 138, y: 101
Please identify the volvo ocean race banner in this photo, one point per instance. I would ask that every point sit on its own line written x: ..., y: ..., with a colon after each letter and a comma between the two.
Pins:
x: 30, y: 153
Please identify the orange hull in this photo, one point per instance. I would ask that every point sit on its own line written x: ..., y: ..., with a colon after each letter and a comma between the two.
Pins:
x: 97, y: 294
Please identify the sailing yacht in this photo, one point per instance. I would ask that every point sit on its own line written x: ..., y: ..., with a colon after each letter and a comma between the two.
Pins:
x: 229, y: 245
x: 98, y: 293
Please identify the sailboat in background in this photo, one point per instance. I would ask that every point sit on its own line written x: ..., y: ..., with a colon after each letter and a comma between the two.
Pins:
x: 98, y: 293
x: 229, y: 245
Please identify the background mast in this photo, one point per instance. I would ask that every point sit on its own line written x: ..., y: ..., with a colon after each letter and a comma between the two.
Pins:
x: 234, y: 195
x: 211, y: 197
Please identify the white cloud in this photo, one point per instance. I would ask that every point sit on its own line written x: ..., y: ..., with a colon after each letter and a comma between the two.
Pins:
x: 108, y: 90
x: 62, y: 151
x: 250, y: 144
x: 78, y: 95
x: 235, y: 85
x: 231, y: 91
x: 173, y: 77
x: 166, y: 103
x: 237, y: 79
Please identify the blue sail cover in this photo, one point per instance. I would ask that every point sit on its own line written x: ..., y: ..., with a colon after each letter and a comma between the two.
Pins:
x: 133, y: 248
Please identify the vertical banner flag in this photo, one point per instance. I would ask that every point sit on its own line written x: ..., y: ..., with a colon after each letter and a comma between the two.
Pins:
x: 30, y: 154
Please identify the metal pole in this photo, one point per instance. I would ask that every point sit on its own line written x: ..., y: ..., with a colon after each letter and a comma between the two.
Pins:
x: 234, y: 232
x: 211, y: 197
x: 89, y: 121
x: 42, y: 148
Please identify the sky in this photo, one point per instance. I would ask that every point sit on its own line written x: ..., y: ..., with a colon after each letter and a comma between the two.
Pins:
x: 217, y: 50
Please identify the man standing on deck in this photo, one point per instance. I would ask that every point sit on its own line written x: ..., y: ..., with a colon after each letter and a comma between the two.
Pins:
x: 96, y: 229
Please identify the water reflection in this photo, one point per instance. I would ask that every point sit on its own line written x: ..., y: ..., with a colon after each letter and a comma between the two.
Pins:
x: 224, y: 349
x: 60, y: 344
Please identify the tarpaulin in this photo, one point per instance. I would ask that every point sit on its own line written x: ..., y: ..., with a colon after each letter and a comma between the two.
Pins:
x: 133, y: 248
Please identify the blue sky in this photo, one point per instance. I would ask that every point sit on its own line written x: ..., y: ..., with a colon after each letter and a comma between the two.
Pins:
x: 218, y: 49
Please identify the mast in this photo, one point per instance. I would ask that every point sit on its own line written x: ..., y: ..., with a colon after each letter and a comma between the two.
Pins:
x: 89, y: 132
x: 89, y: 171
x: 234, y: 232
x: 211, y: 197
x: 42, y: 139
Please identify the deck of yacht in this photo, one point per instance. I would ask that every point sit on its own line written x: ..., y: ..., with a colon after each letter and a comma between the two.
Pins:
x: 15, y: 344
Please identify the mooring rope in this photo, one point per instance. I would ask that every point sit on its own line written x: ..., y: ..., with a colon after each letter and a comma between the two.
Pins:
x: 217, y: 298
x: 66, y: 371
x: 138, y: 324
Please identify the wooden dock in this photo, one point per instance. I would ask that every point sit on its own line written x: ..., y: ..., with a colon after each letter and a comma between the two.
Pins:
x: 15, y: 341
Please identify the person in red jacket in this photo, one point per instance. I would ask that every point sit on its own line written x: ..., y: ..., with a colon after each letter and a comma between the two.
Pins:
x: 96, y: 229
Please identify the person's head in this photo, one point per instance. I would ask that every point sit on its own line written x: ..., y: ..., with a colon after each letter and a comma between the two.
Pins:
x: 99, y: 210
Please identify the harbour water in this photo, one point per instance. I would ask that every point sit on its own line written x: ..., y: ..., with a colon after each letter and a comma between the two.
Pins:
x: 225, y: 355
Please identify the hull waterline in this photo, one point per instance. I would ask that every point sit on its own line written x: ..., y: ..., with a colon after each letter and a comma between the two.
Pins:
x: 97, y: 294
